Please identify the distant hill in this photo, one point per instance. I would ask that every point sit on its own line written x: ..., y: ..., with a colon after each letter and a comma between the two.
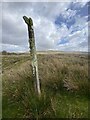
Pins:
x: 43, y: 52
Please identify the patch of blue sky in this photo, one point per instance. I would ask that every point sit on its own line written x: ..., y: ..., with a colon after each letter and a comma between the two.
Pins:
x: 77, y: 28
x: 74, y: 6
x: 63, y: 41
x: 89, y: 18
x: 83, y: 11
x: 59, y: 20
x: 88, y: 11
x: 68, y: 21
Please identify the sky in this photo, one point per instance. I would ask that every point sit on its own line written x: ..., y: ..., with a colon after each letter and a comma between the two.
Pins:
x: 61, y: 26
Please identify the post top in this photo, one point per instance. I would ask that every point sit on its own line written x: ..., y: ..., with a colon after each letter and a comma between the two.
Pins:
x: 28, y: 21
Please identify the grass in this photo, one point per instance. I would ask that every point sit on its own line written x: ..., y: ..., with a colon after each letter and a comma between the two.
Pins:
x: 64, y: 86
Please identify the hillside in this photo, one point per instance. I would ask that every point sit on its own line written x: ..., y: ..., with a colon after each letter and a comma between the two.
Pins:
x: 64, y: 86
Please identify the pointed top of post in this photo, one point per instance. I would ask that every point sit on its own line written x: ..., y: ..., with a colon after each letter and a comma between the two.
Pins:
x: 28, y: 21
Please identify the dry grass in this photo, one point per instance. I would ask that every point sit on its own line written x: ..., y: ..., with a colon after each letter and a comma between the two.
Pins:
x: 64, y: 77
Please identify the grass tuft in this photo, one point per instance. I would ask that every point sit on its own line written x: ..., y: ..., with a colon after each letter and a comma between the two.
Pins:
x: 64, y: 86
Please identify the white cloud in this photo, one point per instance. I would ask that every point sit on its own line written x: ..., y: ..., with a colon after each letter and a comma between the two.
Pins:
x: 78, y: 41
x: 69, y: 13
x: 83, y: 1
x: 47, y: 34
x: 43, y: 15
x: 13, y: 48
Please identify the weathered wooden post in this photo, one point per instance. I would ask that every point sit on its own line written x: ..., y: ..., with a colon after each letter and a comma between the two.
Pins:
x: 33, y: 54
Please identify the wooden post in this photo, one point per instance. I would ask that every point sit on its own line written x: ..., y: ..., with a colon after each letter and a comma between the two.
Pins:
x: 33, y: 54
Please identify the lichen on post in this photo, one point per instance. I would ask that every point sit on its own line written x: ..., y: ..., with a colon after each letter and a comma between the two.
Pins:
x: 29, y: 23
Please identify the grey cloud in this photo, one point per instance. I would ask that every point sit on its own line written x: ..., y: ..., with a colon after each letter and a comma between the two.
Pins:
x: 84, y: 44
x: 45, y: 9
x: 44, y: 44
x: 10, y: 28
x: 13, y: 48
x: 16, y: 6
x: 13, y: 34
x: 14, y: 40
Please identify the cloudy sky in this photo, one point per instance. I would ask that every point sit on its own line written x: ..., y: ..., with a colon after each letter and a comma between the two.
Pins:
x: 58, y: 25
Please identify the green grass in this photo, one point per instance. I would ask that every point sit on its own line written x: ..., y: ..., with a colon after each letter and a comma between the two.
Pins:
x: 64, y: 86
